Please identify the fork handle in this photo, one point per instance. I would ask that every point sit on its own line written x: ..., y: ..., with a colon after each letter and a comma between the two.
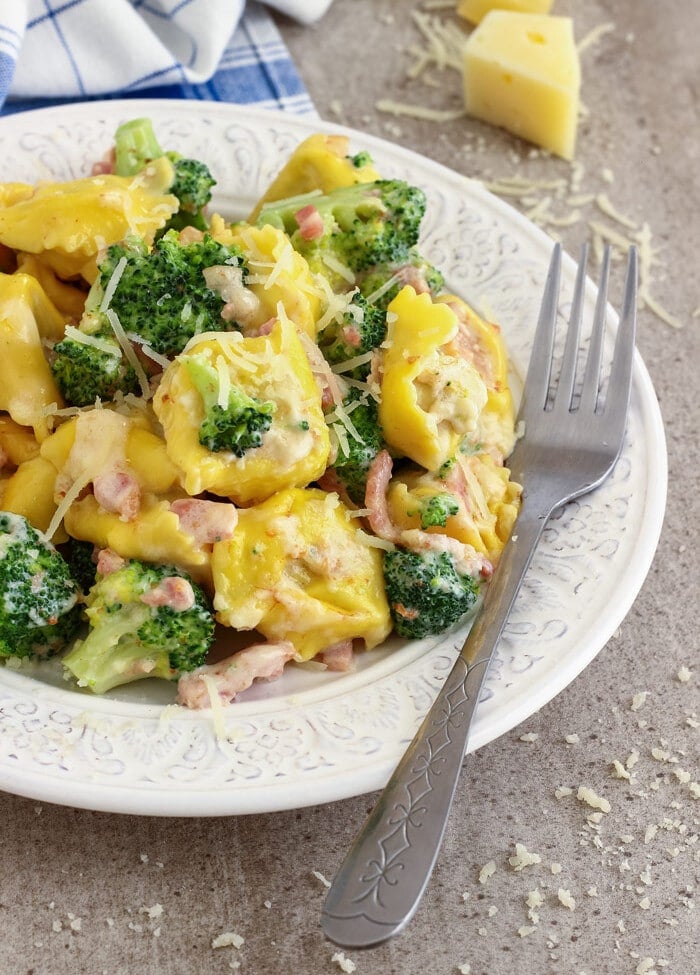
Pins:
x: 378, y: 887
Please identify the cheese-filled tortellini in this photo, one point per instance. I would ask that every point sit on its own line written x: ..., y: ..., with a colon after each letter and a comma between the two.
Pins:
x: 27, y: 317
x: 277, y: 274
x: 474, y: 501
x: 320, y: 162
x: 431, y: 398
x: 481, y: 343
x: 298, y: 567
x: 242, y: 417
x: 67, y: 223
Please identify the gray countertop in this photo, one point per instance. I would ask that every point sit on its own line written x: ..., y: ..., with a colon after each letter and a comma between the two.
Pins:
x: 78, y: 889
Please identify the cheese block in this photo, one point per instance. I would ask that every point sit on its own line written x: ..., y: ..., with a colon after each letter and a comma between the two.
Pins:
x: 476, y: 10
x: 522, y: 72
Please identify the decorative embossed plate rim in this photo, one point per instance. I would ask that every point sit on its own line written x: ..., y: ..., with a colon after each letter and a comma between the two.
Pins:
x: 312, y: 738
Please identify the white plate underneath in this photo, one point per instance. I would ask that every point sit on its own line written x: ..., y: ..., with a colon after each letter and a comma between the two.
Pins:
x: 313, y: 737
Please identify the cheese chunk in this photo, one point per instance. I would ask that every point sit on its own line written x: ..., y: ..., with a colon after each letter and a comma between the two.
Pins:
x: 521, y: 72
x: 476, y: 10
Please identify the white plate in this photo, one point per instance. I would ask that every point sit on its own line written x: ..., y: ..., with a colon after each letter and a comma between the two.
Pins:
x: 312, y: 738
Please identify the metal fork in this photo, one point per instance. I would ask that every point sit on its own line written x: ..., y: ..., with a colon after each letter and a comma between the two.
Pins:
x: 570, y: 444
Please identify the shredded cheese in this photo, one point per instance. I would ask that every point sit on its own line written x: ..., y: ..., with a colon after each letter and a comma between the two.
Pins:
x: 224, y: 377
x: 128, y: 350
x: 112, y: 284
x: 73, y: 333
x: 418, y: 111
x: 71, y: 495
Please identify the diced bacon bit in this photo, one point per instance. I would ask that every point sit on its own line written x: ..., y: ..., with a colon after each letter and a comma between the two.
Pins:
x: 108, y: 562
x: 352, y: 336
x: 467, y: 345
x: 173, y: 592
x: 118, y: 492
x: 263, y: 329
x: 104, y: 166
x: 378, y: 478
x: 206, y: 521
x: 310, y: 222
x: 339, y: 657
x: 415, y: 277
x: 330, y: 482
x: 234, y: 674
x: 328, y: 383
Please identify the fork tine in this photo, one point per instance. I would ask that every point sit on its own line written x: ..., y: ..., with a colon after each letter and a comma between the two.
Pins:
x: 591, y: 380
x: 620, y: 382
x: 539, y: 369
x: 567, y: 374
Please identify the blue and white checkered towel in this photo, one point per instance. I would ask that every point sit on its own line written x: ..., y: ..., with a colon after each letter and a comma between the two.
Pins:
x: 53, y: 51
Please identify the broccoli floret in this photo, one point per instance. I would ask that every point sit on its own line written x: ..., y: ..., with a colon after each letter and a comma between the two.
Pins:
x: 136, y: 145
x: 381, y: 284
x: 85, y: 372
x: 361, y: 159
x: 162, y: 296
x: 426, y: 593
x: 435, y: 510
x: 364, y: 224
x: 39, y: 611
x: 362, y: 329
x: 130, y: 639
x: 82, y: 566
x: 237, y: 427
x: 351, y: 465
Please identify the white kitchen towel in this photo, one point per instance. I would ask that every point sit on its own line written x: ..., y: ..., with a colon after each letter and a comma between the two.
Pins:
x: 222, y: 50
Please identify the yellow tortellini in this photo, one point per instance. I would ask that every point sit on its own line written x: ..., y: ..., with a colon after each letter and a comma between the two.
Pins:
x: 29, y: 491
x: 482, y: 343
x: 272, y: 369
x: 483, y: 502
x: 27, y: 318
x: 320, y: 162
x: 68, y: 223
x: 430, y: 398
x: 298, y: 568
x: 278, y: 274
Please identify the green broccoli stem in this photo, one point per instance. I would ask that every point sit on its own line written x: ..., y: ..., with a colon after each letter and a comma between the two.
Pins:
x: 112, y: 654
x: 135, y: 146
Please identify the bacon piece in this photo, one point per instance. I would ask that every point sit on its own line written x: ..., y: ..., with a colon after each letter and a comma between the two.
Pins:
x: 206, y: 521
x: 266, y: 327
x: 262, y: 661
x: 415, y: 276
x: 173, y: 591
x: 118, y: 492
x: 339, y: 657
x: 108, y: 562
x: 104, y: 166
x: 310, y: 222
x: 352, y: 336
x: 378, y: 478
x: 468, y: 345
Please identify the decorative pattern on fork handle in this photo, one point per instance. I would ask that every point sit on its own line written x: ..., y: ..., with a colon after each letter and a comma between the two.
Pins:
x: 405, y: 819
